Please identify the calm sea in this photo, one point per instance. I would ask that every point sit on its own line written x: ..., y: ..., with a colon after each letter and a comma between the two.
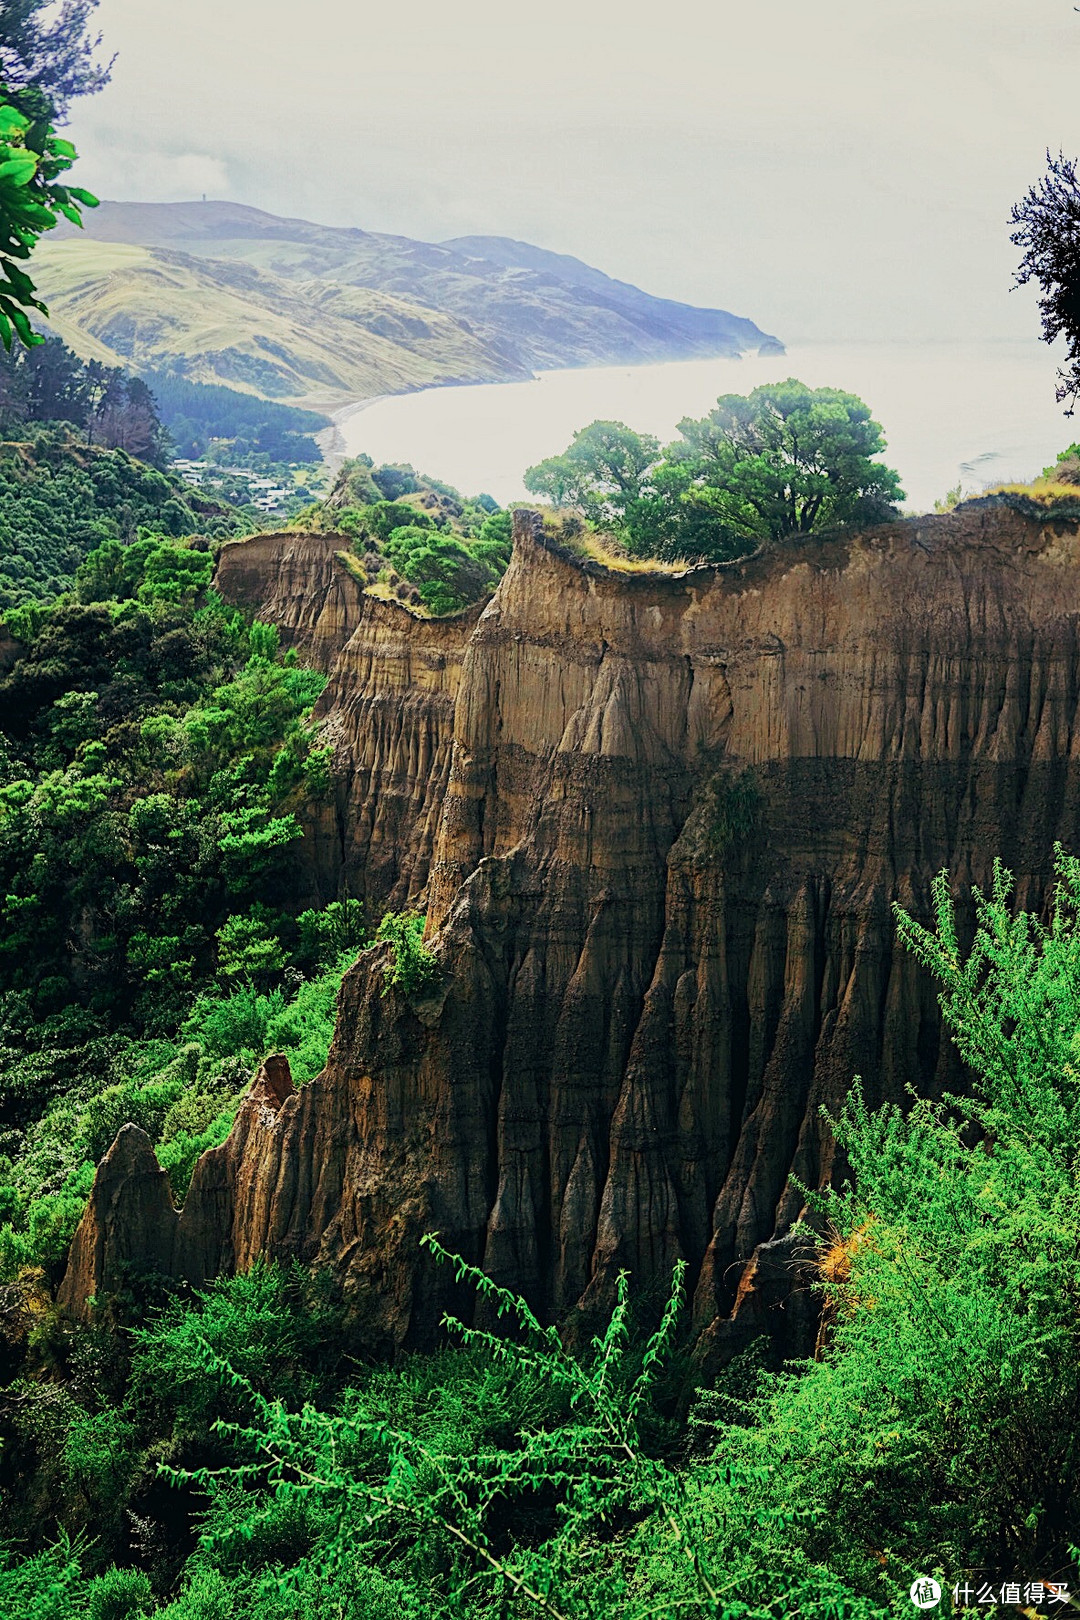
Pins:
x: 952, y: 412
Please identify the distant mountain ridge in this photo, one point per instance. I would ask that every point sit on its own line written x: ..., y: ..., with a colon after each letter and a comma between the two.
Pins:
x: 221, y: 292
x: 210, y: 320
x: 694, y: 321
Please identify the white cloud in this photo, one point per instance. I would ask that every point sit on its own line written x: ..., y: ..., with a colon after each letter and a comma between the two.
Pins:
x: 117, y: 168
x: 827, y: 169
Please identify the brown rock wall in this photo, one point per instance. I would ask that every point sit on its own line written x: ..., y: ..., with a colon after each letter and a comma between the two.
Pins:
x: 295, y: 580
x: 388, y: 709
x: 671, y: 824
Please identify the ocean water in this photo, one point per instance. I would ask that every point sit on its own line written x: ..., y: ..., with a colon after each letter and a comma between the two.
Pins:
x: 973, y: 413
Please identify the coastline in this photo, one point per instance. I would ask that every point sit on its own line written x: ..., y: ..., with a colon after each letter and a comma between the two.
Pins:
x: 481, y: 436
x: 330, y: 440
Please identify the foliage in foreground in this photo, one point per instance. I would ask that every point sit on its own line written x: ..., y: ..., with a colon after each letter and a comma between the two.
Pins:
x: 783, y: 460
x: 155, y: 756
x: 509, y: 1476
x: 33, y: 198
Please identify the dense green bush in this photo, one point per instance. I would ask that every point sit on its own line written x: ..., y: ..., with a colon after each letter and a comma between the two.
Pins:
x: 409, y: 963
x: 60, y: 500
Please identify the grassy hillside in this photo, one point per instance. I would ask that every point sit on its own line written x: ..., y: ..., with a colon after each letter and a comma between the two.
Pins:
x: 233, y: 324
x: 502, y: 308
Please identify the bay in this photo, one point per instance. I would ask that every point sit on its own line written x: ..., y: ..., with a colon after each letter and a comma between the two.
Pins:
x: 970, y: 413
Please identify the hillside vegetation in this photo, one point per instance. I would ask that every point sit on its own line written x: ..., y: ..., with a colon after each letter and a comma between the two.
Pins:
x: 155, y: 758
x: 60, y: 498
x: 197, y: 414
x: 414, y: 537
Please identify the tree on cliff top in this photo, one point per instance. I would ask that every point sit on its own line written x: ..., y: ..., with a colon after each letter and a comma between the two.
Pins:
x: 602, y: 473
x: 1047, y: 224
x: 785, y: 459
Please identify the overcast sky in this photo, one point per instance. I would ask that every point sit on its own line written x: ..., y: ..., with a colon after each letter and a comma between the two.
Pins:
x: 831, y: 169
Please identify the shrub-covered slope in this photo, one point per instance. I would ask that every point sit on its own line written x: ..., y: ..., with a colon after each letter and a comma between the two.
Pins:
x: 155, y: 756
x: 60, y: 498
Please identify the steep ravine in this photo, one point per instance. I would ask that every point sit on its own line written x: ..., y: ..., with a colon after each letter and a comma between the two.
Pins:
x: 659, y: 849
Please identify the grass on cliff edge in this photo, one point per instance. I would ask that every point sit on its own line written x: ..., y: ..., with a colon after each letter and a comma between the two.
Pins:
x: 1046, y: 492
x: 570, y: 532
x: 620, y: 562
x: 383, y: 591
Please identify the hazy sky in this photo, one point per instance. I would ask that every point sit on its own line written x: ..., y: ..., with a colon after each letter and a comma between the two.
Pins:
x: 830, y: 168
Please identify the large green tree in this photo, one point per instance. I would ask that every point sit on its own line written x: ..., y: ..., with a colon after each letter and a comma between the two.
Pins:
x: 785, y: 459
x: 603, y: 473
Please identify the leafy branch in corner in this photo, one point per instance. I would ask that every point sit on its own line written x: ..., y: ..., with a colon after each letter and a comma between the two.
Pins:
x: 32, y: 200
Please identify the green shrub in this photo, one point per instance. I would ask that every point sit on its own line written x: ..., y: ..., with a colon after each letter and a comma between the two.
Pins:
x: 409, y: 965
x: 45, y: 1586
x: 233, y: 1024
x: 280, y: 1327
x: 304, y: 1029
x: 327, y: 934
x: 207, y: 1595
x: 119, y: 1594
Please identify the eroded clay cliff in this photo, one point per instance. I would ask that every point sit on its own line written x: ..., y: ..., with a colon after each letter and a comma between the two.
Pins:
x: 671, y: 823
x: 297, y: 581
x: 387, y: 710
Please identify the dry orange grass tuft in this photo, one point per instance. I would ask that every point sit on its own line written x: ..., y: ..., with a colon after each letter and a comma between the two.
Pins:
x: 593, y: 547
x: 834, y: 1265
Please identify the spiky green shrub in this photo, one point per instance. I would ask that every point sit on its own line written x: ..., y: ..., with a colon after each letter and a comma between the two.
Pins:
x: 937, y: 1433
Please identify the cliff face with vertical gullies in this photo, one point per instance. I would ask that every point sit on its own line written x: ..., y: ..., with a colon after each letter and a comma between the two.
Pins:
x: 295, y: 580
x: 676, y: 812
x: 387, y: 710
